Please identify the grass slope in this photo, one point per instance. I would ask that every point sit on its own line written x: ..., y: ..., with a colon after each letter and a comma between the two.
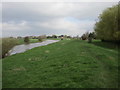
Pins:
x: 65, y: 64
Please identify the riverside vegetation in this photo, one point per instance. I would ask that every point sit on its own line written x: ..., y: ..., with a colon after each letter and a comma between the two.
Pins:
x: 7, y: 43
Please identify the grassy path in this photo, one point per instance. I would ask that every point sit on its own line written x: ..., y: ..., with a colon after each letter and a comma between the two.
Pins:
x: 68, y: 63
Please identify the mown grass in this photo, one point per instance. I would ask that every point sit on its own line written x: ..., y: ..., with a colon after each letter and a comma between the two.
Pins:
x: 65, y: 64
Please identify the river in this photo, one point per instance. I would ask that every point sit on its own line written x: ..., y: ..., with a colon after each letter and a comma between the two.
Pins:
x: 25, y: 47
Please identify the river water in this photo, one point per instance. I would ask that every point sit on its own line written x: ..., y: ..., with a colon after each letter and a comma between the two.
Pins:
x: 25, y: 47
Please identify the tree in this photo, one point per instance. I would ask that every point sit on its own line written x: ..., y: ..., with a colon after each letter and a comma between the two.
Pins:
x: 26, y: 40
x: 54, y: 36
x: 19, y: 37
x: 68, y: 36
x: 90, y: 37
x: 108, y: 26
x: 49, y: 36
x: 85, y: 36
x: 40, y: 38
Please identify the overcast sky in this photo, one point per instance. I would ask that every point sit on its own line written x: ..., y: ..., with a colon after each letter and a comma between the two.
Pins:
x: 38, y: 18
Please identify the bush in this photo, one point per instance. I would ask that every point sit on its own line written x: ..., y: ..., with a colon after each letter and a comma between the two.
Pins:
x: 40, y: 38
x: 90, y: 37
x: 84, y: 37
x: 26, y: 40
x: 54, y: 36
x: 6, y: 44
x: 49, y: 36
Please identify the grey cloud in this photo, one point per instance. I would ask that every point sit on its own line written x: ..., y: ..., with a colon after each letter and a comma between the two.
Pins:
x: 41, y: 11
x: 48, y: 18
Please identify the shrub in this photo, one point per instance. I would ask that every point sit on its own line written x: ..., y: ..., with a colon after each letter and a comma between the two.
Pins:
x: 54, y: 36
x: 40, y: 38
x: 6, y: 44
x: 26, y: 40
x: 84, y: 37
x: 49, y: 36
x: 90, y: 37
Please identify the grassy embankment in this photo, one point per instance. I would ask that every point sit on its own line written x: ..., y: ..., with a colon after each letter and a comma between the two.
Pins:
x: 65, y: 64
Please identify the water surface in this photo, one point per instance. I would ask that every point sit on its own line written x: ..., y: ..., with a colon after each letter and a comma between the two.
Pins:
x: 25, y: 47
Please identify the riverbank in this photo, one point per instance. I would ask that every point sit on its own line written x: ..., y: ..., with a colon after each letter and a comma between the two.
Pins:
x: 7, y: 44
x: 65, y: 64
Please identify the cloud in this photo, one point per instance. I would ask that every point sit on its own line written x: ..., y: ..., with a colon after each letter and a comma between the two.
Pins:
x: 15, y: 26
x: 68, y: 26
x: 60, y: 0
x: 42, y: 11
x: 14, y: 29
x: 25, y: 18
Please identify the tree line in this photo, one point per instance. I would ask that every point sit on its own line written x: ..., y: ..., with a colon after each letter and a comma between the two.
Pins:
x: 107, y: 28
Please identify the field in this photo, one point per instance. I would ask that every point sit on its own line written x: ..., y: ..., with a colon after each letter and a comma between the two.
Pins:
x: 65, y: 64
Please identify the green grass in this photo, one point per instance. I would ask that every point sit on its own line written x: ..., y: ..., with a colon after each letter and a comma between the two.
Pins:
x: 0, y: 74
x: 65, y: 64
